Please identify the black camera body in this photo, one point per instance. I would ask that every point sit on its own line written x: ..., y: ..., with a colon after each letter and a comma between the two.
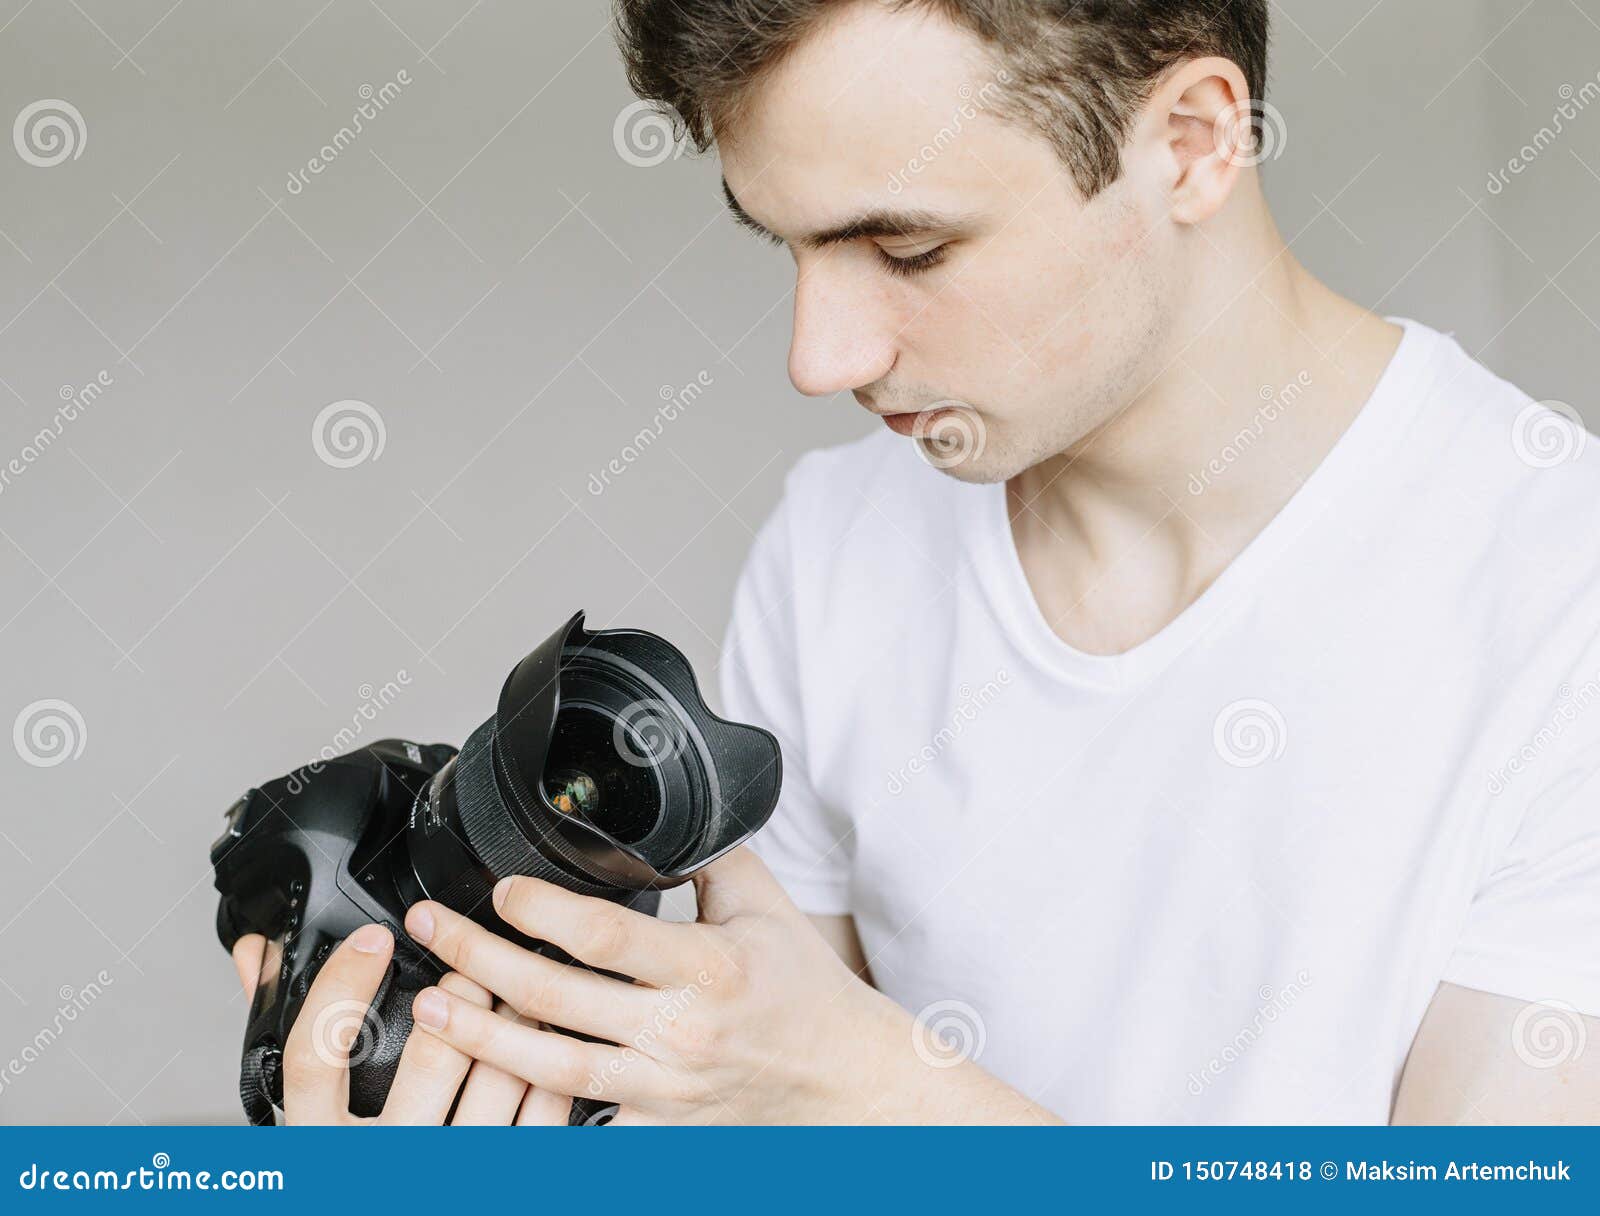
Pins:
x: 307, y: 862
x: 601, y: 770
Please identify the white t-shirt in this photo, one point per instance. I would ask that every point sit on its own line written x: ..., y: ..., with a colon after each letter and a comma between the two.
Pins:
x: 1216, y: 878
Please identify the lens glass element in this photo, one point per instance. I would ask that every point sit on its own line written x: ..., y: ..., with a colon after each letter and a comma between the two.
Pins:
x: 585, y: 776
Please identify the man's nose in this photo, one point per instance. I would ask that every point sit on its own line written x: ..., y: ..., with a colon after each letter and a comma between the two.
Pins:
x: 843, y: 338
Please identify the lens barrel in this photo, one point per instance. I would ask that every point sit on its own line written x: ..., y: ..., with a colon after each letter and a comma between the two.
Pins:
x: 601, y: 770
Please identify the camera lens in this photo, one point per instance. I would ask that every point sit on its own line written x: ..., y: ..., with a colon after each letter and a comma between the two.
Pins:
x: 602, y: 770
x: 588, y: 775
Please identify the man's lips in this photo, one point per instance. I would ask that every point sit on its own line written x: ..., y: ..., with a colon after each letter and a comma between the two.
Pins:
x: 908, y: 424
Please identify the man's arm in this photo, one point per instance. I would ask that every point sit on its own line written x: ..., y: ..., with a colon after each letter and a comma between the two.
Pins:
x: 746, y: 1016
x: 840, y: 933
x: 1483, y: 1058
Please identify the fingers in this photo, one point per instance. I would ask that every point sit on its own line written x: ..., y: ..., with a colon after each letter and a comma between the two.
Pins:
x: 543, y: 1058
x: 491, y: 1097
x: 597, y: 931
x: 627, y: 1116
x: 558, y: 994
x: 431, y: 1071
x: 738, y: 882
x: 316, y: 1077
x: 248, y: 952
x: 541, y: 1108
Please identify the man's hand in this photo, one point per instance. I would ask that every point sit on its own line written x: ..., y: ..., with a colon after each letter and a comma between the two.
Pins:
x: 316, y: 1074
x: 746, y: 1016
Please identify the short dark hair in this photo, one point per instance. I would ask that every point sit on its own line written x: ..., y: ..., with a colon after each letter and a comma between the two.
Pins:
x: 1077, y: 70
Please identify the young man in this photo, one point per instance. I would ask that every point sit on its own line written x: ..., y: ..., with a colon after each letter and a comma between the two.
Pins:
x: 1187, y: 700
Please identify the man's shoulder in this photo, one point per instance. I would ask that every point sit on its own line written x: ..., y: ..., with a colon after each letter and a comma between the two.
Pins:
x: 1482, y: 438
x: 1503, y: 489
x: 831, y: 493
x: 857, y: 524
x: 877, y: 453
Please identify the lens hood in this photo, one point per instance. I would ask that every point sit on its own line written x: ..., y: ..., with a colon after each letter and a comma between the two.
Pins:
x: 661, y: 723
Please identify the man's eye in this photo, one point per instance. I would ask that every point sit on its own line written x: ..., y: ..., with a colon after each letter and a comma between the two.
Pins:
x: 914, y: 264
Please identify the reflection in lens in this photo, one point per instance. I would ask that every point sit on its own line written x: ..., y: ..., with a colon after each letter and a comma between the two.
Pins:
x: 573, y: 793
x: 622, y: 800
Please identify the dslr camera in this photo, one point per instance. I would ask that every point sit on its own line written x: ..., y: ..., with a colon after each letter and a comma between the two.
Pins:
x: 601, y: 770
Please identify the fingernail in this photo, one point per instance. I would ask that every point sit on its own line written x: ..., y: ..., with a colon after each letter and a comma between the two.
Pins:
x: 431, y: 1009
x: 419, y: 923
x: 371, y: 939
x: 500, y: 890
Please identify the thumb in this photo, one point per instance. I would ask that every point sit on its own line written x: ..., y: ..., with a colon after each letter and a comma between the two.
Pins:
x: 248, y: 953
x: 736, y: 884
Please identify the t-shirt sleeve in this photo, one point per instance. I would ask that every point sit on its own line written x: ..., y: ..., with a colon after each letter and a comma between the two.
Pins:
x: 1533, y: 930
x: 807, y: 844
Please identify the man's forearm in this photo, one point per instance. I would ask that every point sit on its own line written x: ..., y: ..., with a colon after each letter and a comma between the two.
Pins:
x: 904, y: 1088
x: 964, y: 1094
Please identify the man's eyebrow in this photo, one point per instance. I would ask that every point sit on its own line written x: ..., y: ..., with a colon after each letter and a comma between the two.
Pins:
x: 744, y: 219
x: 874, y: 223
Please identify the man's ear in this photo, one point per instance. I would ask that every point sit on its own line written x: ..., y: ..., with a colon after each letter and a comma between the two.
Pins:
x: 1199, y: 120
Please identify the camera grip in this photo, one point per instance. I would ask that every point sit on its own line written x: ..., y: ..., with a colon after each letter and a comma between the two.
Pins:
x: 374, y: 1052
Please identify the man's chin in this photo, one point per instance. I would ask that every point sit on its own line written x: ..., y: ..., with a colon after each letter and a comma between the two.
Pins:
x: 974, y: 468
x: 954, y: 438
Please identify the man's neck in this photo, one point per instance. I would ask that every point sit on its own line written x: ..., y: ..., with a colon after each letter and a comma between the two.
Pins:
x: 1114, y: 536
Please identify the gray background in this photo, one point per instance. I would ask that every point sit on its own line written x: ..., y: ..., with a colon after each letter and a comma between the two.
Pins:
x: 510, y: 295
